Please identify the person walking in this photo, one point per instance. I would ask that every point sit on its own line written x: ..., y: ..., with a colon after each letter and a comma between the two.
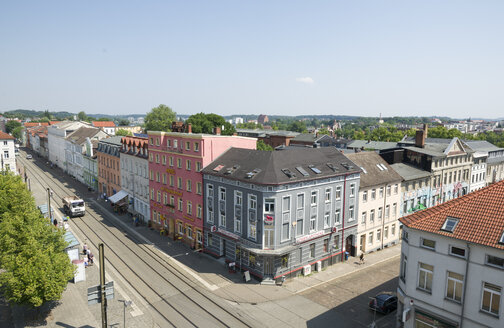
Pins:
x: 361, y: 258
x: 84, y: 249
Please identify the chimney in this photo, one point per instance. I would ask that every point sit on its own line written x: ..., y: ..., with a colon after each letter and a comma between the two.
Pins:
x: 420, y: 137
x: 189, y: 128
x: 217, y: 131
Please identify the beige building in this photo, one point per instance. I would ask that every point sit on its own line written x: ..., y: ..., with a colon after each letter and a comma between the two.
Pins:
x: 132, y: 129
x: 379, y: 201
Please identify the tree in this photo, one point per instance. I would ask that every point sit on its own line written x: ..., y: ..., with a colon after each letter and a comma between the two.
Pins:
x: 262, y: 146
x: 123, y: 122
x: 205, y: 123
x: 159, y: 118
x: 123, y: 132
x: 32, y: 254
x: 82, y: 116
x: 11, y: 125
x: 47, y: 114
x: 18, y: 133
x: 297, y: 126
x: 104, y: 119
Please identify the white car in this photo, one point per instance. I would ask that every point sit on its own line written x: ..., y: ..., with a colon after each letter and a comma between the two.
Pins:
x: 28, y: 156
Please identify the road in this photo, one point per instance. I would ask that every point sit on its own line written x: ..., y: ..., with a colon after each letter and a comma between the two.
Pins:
x: 163, y: 295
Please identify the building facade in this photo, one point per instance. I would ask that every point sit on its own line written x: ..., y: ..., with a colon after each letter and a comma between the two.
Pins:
x: 56, y: 135
x: 135, y: 175
x: 176, y: 182
x: 109, y: 166
x: 90, y: 164
x: 7, y: 153
x: 415, y: 188
x: 108, y: 127
x: 379, y: 201
x: 281, y: 213
x: 451, y: 272
x: 478, y: 171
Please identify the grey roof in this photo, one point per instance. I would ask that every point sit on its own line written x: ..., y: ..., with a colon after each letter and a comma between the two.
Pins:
x: 481, y: 145
x: 409, y: 172
x: 376, y: 170
x: 439, y: 149
x: 79, y: 136
x: 280, y: 167
x: 309, y: 137
x: 69, y: 125
x: 263, y: 133
x: 369, y: 144
x: 116, y: 141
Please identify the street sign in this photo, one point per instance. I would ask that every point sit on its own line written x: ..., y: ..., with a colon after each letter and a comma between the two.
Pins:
x: 94, y: 293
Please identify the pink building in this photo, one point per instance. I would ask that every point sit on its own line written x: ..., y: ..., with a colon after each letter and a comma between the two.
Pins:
x: 176, y: 182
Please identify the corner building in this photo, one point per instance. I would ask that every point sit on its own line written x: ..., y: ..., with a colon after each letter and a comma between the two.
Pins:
x: 176, y: 182
x: 278, y: 213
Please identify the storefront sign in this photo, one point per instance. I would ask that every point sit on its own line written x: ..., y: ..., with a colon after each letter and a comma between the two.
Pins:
x: 188, y: 218
x: 171, y: 171
x: 171, y: 191
x: 228, y: 234
x: 308, y: 237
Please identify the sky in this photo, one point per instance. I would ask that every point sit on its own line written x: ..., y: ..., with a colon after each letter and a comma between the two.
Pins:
x: 397, y: 58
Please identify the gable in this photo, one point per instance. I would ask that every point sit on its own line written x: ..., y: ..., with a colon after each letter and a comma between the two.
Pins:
x: 455, y: 147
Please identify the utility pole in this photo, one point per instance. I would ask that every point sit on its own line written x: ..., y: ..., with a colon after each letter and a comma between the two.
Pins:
x: 29, y: 185
x: 102, y: 286
x: 49, y: 204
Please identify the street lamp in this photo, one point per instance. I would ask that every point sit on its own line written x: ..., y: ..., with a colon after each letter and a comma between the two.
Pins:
x: 126, y: 304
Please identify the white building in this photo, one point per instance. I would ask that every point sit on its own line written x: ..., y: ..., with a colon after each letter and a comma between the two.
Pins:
x: 452, y: 263
x: 75, y: 148
x: 56, y: 135
x: 478, y: 171
x: 7, y: 153
x: 379, y: 200
x: 135, y: 175
x: 108, y: 127
x: 90, y: 164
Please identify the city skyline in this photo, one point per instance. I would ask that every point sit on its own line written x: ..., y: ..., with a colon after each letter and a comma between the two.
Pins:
x: 398, y: 59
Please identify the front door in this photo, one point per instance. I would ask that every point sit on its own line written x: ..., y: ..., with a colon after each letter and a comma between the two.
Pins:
x: 349, y: 245
x: 223, y: 247
x: 268, y: 267
x: 363, y: 243
x: 268, y: 238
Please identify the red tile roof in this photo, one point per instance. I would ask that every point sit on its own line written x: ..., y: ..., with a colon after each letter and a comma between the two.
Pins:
x: 4, y: 136
x: 103, y: 124
x: 480, y: 214
x: 30, y: 124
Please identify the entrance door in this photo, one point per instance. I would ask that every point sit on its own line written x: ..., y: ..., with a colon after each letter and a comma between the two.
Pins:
x: 268, y: 267
x: 363, y: 243
x: 349, y: 245
x: 223, y: 247
x: 268, y: 238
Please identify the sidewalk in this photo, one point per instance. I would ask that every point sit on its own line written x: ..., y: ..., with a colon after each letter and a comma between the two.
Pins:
x: 212, y: 273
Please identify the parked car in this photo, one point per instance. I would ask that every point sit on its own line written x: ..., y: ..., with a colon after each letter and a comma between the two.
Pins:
x: 384, y: 302
x: 28, y: 156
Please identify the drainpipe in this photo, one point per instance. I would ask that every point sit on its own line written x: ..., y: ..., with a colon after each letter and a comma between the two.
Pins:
x: 383, y: 213
x: 343, y: 220
x: 465, y: 284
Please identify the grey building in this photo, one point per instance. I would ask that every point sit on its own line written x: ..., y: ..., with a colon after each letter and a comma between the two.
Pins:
x: 281, y: 213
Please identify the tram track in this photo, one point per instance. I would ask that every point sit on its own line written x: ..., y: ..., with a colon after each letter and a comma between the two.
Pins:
x: 203, y: 307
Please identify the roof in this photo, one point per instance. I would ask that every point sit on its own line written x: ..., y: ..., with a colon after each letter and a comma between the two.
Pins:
x: 376, y: 170
x: 116, y: 141
x: 409, y: 172
x: 480, y: 217
x: 4, y: 136
x: 264, y: 133
x: 438, y: 148
x: 79, y: 136
x: 281, y: 167
x: 31, y: 124
x: 481, y: 145
x: 103, y: 124
x: 369, y: 144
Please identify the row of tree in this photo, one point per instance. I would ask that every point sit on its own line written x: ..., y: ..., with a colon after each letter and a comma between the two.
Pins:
x: 35, y: 267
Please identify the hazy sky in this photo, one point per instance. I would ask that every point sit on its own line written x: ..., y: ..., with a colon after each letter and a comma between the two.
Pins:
x: 274, y: 57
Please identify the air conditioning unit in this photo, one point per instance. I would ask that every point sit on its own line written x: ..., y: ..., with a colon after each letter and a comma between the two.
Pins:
x: 306, y: 270
x: 319, y: 266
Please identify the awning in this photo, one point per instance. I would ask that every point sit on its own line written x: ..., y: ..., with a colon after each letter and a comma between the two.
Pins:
x: 118, y: 196
x: 70, y: 238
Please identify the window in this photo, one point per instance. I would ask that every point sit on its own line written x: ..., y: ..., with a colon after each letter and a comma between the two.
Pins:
x: 180, y: 204
x: 198, y: 211
x: 373, y: 194
x: 314, y: 198
x: 179, y: 163
x: 6, y: 154
x: 337, y: 216
x: 151, y: 173
x: 210, y: 217
x: 370, y: 239
x: 427, y: 243
x: 188, y: 145
x: 364, y: 216
x: 152, y: 194
x: 327, y: 220
x: 157, y: 177
x: 238, y: 198
x: 151, y: 141
x: 491, y: 298
x: 385, y: 233
x: 454, y: 286
x: 450, y: 224
x: 175, y: 143
x: 338, y: 193
x: 164, y: 159
x: 198, y: 188
x: 196, y: 146
x: 313, y: 220
x: 312, y: 250
x: 179, y: 182
x: 351, y: 216
x: 352, y: 190
x: 269, y: 205
x: 336, y: 242
x: 389, y: 189
x: 189, y: 231
x: 168, y: 143
x: 405, y: 236
x: 404, y: 263
x: 327, y: 195
x: 387, y: 211
x: 326, y: 245
x: 457, y: 251
x: 380, y: 210
x: 189, y: 185
x: 189, y: 208
x: 164, y: 178
x: 170, y: 161
x: 286, y: 217
x: 381, y: 192
x: 209, y: 240
x: 188, y: 165
x: 392, y: 230
x: 378, y: 235
x: 198, y: 166
x: 495, y: 261
x: 371, y: 216
x: 172, y: 180
x: 364, y: 196
x: 157, y: 141
x: 237, y: 223
x: 165, y: 198
x: 425, y: 276
x: 300, y: 214
x: 396, y: 189
x: 501, y: 240
x: 157, y: 158
x: 394, y: 210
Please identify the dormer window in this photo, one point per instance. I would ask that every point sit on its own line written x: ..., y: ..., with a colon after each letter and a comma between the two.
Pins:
x: 501, y: 240
x: 450, y: 224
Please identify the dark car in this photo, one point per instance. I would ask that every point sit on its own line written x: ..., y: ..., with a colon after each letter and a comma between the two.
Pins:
x: 384, y: 302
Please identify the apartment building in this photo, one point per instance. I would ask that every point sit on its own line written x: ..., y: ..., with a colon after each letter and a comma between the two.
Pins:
x: 281, y: 213
x: 415, y: 188
x: 109, y: 166
x: 452, y: 263
x: 494, y: 161
x: 7, y: 155
x: 56, y: 139
x: 175, y: 179
x: 108, y: 127
x: 135, y: 175
x: 379, y: 201
x: 90, y: 164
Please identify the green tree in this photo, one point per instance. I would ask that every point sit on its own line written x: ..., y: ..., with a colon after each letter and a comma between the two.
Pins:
x: 159, y: 118
x: 82, y: 116
x: 11, y: 125
x: 46, y: 114
x: 123, y: 132
x: 205, y: 123
x: 32, y: 254
x: 297, y: 126
x: 324, y: 131
x: 123, y: 122
x: 262, y: 146
x: 104, y: 119
x: 18, y: 132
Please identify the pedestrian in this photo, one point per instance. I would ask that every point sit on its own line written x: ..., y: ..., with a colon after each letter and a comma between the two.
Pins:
x: 84, y: 249
x: 55, y: 222
x: 361, y: 258
x: 90, y: 257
